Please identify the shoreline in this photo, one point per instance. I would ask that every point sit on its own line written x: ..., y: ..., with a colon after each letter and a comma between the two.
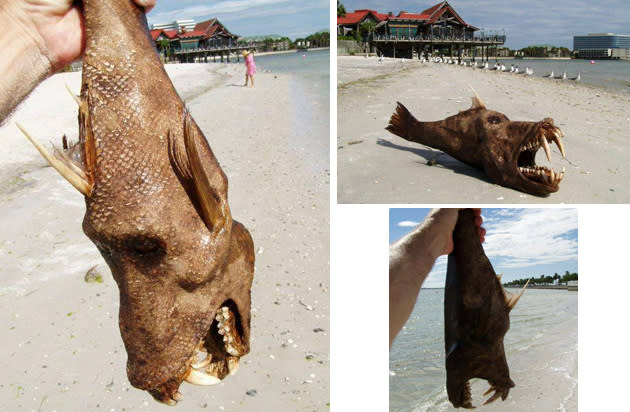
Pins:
x: 73, y: 358
x: 375, y: 166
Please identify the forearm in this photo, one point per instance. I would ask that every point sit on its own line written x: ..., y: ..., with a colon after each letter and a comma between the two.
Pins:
x: 410, y: 261
x: 23, y: 65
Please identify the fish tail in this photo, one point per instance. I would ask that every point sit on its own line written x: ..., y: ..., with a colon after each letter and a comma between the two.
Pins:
x: 401, y: 121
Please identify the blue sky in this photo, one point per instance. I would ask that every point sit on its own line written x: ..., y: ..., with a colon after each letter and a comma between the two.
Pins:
x: 292, y: 18
x: 519, y: 242
x: 526, y: 22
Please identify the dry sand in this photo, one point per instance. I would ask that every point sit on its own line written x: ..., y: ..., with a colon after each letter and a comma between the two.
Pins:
x: 62, y: 350
x: 375, y: 166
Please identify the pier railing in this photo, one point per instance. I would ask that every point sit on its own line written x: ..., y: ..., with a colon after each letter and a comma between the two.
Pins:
x: 492, y: 39
x: 215, y: 49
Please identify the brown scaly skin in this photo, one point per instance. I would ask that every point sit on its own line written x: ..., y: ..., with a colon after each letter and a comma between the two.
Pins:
x: 489, y: 141
x: 476, y: 318
x: 156, y: 208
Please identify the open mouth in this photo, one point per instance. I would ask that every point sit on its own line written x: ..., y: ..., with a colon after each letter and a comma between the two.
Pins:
x: 216, y: 356
x: 545, y: 135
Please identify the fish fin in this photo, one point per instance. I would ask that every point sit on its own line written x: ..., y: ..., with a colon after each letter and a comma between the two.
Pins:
x: 87, y: 142
x: 195, y: 176
x: 514, y: 297
x: 401, y: 121
x: 75, y: 179
x: 477, y: 103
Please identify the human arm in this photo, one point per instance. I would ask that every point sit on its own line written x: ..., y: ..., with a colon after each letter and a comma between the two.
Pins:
x: 39, y: 37
x: 411, y: 260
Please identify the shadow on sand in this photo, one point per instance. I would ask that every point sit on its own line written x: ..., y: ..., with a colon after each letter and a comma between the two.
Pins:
x: 445, y: 161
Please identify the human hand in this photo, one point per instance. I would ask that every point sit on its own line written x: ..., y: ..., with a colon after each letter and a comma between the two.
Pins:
x: 56, y: 27
x: 447, y: 218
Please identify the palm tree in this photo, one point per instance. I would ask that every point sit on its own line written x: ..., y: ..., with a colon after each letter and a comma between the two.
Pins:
x: 163, y: 46
x: 341, y: 10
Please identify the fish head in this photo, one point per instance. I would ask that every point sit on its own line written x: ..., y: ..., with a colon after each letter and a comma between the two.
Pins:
x: 486, y: 361
x: 508, y: 149
x: 184, y: 268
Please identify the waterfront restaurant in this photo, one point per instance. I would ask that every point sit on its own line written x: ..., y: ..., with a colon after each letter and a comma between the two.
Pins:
x: 437, y: 29
x: 209, y: 34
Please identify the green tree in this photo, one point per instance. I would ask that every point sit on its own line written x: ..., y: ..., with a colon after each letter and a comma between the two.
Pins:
x: 366, y: 28
x: 341, y: 10
x: 163, y: 45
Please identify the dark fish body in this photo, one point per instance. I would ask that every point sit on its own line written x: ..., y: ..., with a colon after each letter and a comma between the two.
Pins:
x: 476, y: 318
x: 487, y: 140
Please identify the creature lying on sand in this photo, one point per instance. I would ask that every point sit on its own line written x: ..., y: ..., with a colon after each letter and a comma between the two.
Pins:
x: 488, y: 140
x: 476, y: 318
x: 157, y: 210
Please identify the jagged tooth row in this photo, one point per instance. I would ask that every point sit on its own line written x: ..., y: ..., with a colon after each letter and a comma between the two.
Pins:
x: 546, y: 174
x: 532, y: 145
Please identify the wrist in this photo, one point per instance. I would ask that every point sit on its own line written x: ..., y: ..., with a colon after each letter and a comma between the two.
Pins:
x: 24, y: 62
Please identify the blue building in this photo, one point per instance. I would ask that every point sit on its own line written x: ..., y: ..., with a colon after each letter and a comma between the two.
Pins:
x: 602, y: 46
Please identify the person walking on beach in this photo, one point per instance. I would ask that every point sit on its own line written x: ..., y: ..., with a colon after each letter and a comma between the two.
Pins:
x: 412, y: 258
x: 250, y: 67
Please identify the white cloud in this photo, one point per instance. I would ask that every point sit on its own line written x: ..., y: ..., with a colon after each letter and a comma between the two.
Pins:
x: 522, y: 238
x: 407, y: 223
x: 532, y: 237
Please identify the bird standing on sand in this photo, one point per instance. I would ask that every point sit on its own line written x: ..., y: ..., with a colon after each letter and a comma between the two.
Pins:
x: 550, y: 75
x: 576, y: 78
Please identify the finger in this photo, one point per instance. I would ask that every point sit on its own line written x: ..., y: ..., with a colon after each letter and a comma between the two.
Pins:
x: 478, y: 221
x: 147, y: 4
x: 481, y: 232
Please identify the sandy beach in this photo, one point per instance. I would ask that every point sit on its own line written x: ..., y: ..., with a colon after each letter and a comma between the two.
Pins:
x: 62, y: 349
x: 375, y: 166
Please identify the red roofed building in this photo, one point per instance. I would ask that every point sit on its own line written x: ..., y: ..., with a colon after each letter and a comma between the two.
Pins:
x: 412, y: 33
x: 351, y: 21
x: 207, y: 34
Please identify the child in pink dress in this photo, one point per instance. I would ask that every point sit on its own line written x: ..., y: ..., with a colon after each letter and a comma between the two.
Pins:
x: 251, y: 67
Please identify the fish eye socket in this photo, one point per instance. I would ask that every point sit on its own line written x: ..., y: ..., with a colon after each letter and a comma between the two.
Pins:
x: 146, y: 246
x: 494, y: 120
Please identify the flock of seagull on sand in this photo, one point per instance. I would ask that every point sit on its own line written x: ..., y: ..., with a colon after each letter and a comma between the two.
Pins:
x: 499, y: 67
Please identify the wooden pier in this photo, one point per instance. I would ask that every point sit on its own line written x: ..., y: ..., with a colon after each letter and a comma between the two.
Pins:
x: 417, y: 46
x: 210, y: 54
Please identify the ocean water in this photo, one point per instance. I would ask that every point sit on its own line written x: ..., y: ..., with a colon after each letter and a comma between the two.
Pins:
x: 310, y: 94
x: 610, y: 74
x: 541, y: 348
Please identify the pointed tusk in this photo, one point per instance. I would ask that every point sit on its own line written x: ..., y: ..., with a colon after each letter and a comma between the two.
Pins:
x: 545, y: 145
x: 200, y: 378
x: 514, y: 298
x: 82, y: 106
x: 499, y: 276
x: 73, y: 178
x: 477, y: 102
x: 233, y: 363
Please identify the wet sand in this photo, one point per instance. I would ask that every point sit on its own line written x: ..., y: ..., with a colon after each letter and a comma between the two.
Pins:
x: 62, y: 349
x: 375, y: 166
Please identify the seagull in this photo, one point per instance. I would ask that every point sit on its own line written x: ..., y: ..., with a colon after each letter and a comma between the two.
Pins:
x: 576, y: 78
x: 563, y: 77
x: 550, y: 75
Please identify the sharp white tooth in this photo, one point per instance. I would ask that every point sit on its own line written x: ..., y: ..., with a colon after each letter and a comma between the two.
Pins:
x: 552, y: 175
x: 556, y: 139
x: 232, y: 351
x: 221, y: 331
x: 225, y: 338
x: 233, y: 365
x: 219, y: 317
x: 202, y: 364
x: 226, y: 328
x: 543, y: 140
x: 200, y: 378
x: 178, y: 396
